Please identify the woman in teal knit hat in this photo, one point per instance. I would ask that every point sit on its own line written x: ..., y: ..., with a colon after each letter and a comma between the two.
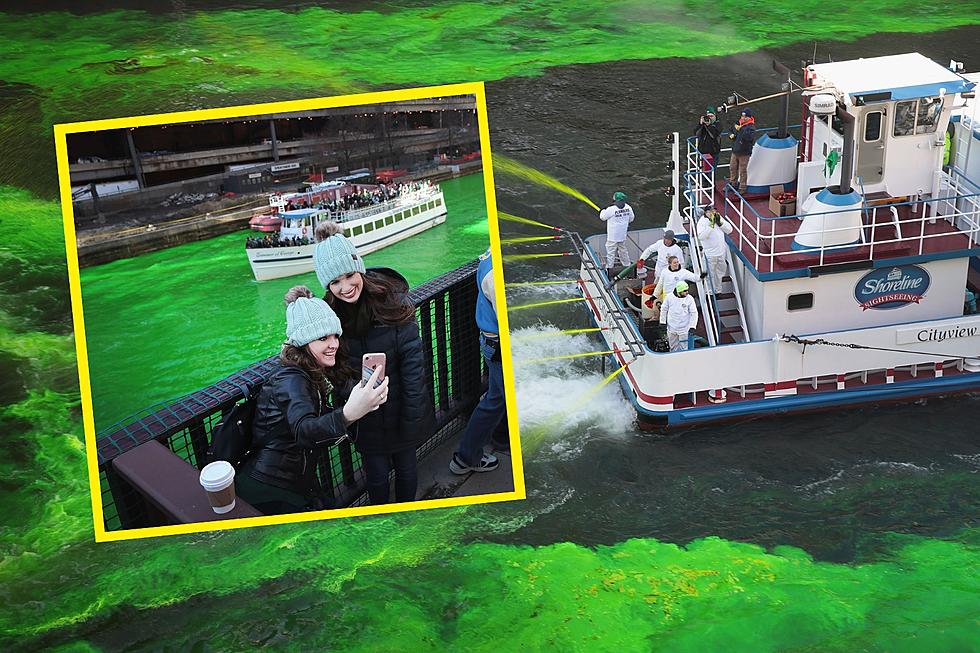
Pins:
x: 294, y: 414
x: 377, y: 317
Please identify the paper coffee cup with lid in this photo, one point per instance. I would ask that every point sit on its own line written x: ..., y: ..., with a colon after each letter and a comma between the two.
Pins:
x: 218, y: 480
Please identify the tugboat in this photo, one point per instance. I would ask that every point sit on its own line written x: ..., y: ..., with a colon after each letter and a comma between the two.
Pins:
x: 857, y: 289
x: 381, y: 216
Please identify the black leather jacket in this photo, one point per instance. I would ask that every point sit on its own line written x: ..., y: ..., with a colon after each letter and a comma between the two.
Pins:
x: 289, y: 424
x: 407, y: 418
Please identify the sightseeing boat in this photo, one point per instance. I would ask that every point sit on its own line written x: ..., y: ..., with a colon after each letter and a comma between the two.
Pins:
x: 293, y: 218
x: 862, y: 290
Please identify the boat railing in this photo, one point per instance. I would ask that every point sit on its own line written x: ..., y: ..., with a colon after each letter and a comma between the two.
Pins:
x: 450, y: 338
x: 765, y: 242
x: 406, y: 199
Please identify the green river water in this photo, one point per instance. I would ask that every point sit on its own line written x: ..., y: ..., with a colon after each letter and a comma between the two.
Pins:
x: 169, y: 322
x: 477, y: 578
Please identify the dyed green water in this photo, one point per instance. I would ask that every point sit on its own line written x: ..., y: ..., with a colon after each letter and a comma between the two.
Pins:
x: 130, y: 62
x: 421, y: 579
x: 167, y: 323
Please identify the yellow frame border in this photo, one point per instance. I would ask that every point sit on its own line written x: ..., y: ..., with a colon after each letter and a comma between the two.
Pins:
x: 61, y: 132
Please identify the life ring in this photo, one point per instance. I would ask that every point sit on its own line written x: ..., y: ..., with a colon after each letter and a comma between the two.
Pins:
x: 304, y: 231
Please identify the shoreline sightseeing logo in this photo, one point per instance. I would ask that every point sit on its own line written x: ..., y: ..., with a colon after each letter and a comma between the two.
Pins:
x: 890, y: 288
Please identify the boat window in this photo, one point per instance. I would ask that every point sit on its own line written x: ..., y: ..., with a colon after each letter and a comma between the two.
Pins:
x: 399, y: 216
x: 378, y: 224
x: 438, y: 201
x: 872, y: 126
x: 904, y: 118
x: 928, y: 115
x: 415, y: 210
x: 389, y: 220
x: 357, y: 231
x: 348, y: 233
x: 369, y: 227
x: 799, y: 302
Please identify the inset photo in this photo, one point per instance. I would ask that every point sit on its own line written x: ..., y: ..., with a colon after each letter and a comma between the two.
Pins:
x: 289, y: 311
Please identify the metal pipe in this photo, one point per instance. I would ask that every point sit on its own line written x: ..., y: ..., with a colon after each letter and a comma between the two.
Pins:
x: 737, y: 103
x: 847, y: 155
x: 784, y: 100
x: 275, y: 141
x: 134, y: 156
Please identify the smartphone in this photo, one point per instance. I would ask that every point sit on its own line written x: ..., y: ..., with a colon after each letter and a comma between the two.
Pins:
x: 368, y: 364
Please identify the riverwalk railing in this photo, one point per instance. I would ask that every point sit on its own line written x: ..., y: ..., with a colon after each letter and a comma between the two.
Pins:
x: 445, y: 307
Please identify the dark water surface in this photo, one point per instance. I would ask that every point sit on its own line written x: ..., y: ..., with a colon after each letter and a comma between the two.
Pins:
x: 849, y: 530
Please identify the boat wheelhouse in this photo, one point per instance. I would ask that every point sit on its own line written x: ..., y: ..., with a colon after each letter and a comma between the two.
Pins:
x: 852, y: 259
x: 410, y: 209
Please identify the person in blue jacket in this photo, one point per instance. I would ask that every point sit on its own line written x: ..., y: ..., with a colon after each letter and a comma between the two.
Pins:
x: 470, y: 457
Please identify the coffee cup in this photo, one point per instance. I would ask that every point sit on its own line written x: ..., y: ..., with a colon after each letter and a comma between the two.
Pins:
x: 218, y: 481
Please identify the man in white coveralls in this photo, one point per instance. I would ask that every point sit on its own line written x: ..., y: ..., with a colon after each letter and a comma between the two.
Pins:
x: 664, y: 249
x: 712, y: 228
x: 617, y: 218
x: 680, y: 314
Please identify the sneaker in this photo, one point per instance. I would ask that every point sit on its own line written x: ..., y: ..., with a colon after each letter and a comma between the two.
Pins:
x: 488, y: 463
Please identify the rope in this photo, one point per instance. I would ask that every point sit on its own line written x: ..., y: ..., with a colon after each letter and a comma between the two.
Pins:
x: 851, y: 345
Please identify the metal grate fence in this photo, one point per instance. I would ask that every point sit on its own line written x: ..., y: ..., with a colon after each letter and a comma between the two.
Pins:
x: 445, y: 308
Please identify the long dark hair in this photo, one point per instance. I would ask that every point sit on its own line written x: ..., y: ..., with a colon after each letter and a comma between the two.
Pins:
x: 388, y: 302
x: 325, y: 378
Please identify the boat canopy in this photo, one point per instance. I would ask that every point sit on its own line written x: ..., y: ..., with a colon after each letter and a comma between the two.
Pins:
x: 895, y: 77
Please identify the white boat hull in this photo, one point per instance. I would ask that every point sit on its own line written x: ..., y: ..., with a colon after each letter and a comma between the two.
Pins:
x: 278, y: 262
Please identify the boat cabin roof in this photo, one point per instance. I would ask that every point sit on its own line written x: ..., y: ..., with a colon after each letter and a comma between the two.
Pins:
x: 895, y: 77
x: 300, y: 213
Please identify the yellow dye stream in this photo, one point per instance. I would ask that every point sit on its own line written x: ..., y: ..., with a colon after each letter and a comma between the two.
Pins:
x: 540, y: 283
x: 547, y: 303
x: 525, y: 257
x: 516, y: 218
x: 526, y: 239
x: 510, y: 166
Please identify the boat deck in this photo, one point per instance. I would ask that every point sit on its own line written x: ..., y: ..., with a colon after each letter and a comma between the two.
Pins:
x: 765, y: 240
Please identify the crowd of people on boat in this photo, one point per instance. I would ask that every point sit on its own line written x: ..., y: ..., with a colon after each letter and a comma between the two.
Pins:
x: 670, y: 303
x: 352, y: 367
x: 360, y: 199
x: 275, y: 240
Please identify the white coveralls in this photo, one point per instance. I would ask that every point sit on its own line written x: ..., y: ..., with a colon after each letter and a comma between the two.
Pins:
x: 663, y: 253
x: 713, y: 243
x: 617, y: 224
x: 668, y: 281
x: 680, y: 314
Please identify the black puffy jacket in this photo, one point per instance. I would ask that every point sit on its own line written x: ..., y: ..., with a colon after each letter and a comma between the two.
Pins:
x: 291, y: 420
x: 407, y: 418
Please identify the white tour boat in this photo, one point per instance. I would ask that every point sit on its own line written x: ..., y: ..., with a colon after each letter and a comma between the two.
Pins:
x: 861, y: 294
x: 294, y: 217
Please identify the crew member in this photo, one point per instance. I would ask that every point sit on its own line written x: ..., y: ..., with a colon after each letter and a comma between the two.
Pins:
x: 708, y: 137
x: 743, y: 137
x: 712, y: 228
x: 617, y: 218
x: 664, y: 249
x: 673, y: 275
x: 680, y: 314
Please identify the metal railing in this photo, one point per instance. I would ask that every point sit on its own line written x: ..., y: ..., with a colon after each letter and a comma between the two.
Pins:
x: 760, y: 240
x: 407, y: 199
x: 445, y: 307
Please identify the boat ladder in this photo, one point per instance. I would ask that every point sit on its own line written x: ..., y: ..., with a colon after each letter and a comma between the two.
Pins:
x: 721, y: 308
